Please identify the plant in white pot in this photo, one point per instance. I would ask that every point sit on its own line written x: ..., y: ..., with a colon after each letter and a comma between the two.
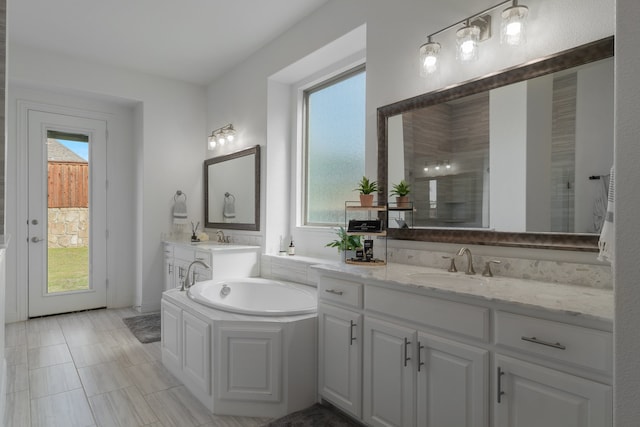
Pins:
x: 401, y: 191
x: 366, y: 188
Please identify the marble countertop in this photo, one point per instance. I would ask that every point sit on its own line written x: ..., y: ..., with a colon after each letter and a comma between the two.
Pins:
x: 211, y: 245
x: 574, y: 300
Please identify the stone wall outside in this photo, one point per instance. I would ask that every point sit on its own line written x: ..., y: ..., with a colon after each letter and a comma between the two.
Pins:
x: 68, y: 227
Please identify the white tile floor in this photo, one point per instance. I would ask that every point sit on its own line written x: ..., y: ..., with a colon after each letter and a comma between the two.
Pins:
x: 87, y: 369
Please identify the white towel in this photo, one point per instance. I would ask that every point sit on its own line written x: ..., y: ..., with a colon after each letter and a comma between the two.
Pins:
x: 229, y: 207
x: 180, y: 208
x: 600, y: 204
x: 607, y: 237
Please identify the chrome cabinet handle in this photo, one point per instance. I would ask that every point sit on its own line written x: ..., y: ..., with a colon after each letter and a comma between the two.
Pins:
x: 333, y: 291
x: 499, y: 388
x: 351, y: 337
x: 420, y: 362
x: 170, y: 269
x: 406, y: 351
x: 545, y: 343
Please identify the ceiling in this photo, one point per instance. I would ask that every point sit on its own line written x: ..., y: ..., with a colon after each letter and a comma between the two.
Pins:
x: 189, y: 40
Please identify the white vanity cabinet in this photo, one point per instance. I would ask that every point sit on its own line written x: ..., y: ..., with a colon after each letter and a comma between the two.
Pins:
x: 340, y: 343
x: 434, y: 359
x: 413, y: 376
x: 532, y: 394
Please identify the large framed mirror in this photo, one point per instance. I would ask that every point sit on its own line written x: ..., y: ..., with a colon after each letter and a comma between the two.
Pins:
x: 232, y: 190
x: 518, y: 158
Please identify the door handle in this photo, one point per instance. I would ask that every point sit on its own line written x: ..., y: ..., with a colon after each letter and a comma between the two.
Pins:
x: 36, y: 239
x: 406, y: 351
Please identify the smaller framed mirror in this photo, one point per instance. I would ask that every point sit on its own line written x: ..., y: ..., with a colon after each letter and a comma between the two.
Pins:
x: 232, y: 190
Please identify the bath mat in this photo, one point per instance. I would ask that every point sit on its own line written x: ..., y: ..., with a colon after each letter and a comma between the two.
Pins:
x: 145, y: 327
x: 315, y: 416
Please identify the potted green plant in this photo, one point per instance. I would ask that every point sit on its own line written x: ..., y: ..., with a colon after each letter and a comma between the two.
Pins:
x: 401, y: 191
x: 366, y: 189
x: 345, y: 241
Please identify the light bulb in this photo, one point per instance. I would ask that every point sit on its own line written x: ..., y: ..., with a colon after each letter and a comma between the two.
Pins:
x: 512, y: 31
x: 230, y: 137
x: 448, y: 166
x: 212, y: 142
x: 429, y: 57
x: 467, y: 39
x: 437, y: 167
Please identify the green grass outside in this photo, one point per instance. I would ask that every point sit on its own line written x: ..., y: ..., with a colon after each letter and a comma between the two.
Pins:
x: 68, y: 269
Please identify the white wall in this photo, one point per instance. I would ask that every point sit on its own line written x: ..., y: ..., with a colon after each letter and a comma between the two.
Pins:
x: 168, y: 147
x: 394, y: 32
x: 626, y: 267
x: 594, y: 131
x: 508, y: 157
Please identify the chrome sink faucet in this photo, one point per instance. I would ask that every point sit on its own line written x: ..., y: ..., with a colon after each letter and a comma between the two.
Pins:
x: 467, y: 252
x: 186, y: 284
x: 220, y: 236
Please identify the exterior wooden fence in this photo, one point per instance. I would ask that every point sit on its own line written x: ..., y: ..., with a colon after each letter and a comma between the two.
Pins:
x: 68, y: 185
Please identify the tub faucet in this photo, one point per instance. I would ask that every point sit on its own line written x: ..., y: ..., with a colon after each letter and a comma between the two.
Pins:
x: 466, y: 251
x: 186, y: 284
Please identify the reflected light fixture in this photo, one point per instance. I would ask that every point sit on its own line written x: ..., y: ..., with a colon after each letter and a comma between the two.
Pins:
x: 513, y: 27
x: 221, y: 135
x: 429, y: 57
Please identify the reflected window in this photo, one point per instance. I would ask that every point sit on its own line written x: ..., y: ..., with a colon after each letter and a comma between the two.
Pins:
x: 334, y: 131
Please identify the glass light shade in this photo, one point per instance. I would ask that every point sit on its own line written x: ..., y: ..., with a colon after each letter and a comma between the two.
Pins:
x: 513, y: 27
x: 212, y: 142
x: 429, y: 58
x: 467, y: 39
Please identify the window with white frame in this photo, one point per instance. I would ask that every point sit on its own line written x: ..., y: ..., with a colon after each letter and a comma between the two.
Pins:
x: 334, y: 146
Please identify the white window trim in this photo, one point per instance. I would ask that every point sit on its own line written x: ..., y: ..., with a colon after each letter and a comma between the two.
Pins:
x: 298, y: 156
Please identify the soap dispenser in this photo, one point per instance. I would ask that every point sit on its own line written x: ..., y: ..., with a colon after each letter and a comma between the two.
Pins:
x: 292, y: 248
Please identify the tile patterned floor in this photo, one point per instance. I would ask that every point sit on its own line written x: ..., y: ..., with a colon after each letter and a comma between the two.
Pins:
x: 87, y: 369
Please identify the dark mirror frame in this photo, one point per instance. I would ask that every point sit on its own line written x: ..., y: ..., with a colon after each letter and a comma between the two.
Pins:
x: 234, y: 225
x: 581, y: 55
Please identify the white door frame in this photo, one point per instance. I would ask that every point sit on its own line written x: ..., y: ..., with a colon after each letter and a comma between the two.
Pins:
x: 21, y: 208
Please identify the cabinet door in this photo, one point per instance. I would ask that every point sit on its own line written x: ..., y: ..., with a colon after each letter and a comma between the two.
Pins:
x: 534, y: 396
x: 196, y: 352
x: 389, y: 374
x: 170, y: 326
x: 250, y: 363
x: 453, y: 386
x: 340, y: 352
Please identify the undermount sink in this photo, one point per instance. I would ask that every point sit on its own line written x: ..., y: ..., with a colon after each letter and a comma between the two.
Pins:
x: 446, y: 279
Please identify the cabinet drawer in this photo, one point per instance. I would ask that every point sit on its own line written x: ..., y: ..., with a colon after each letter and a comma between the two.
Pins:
x: 567, y: 343
x: 340, y: 291
x: 463, y: 319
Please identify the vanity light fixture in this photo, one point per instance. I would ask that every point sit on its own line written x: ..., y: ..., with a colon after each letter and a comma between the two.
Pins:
x: 513, y: 27
x: 475, y: 29
x: 429, y: 57
x: 221, y: 135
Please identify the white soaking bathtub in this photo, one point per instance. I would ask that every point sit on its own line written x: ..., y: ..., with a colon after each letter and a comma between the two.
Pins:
x: 248, y: 350
x: 256, y: 296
